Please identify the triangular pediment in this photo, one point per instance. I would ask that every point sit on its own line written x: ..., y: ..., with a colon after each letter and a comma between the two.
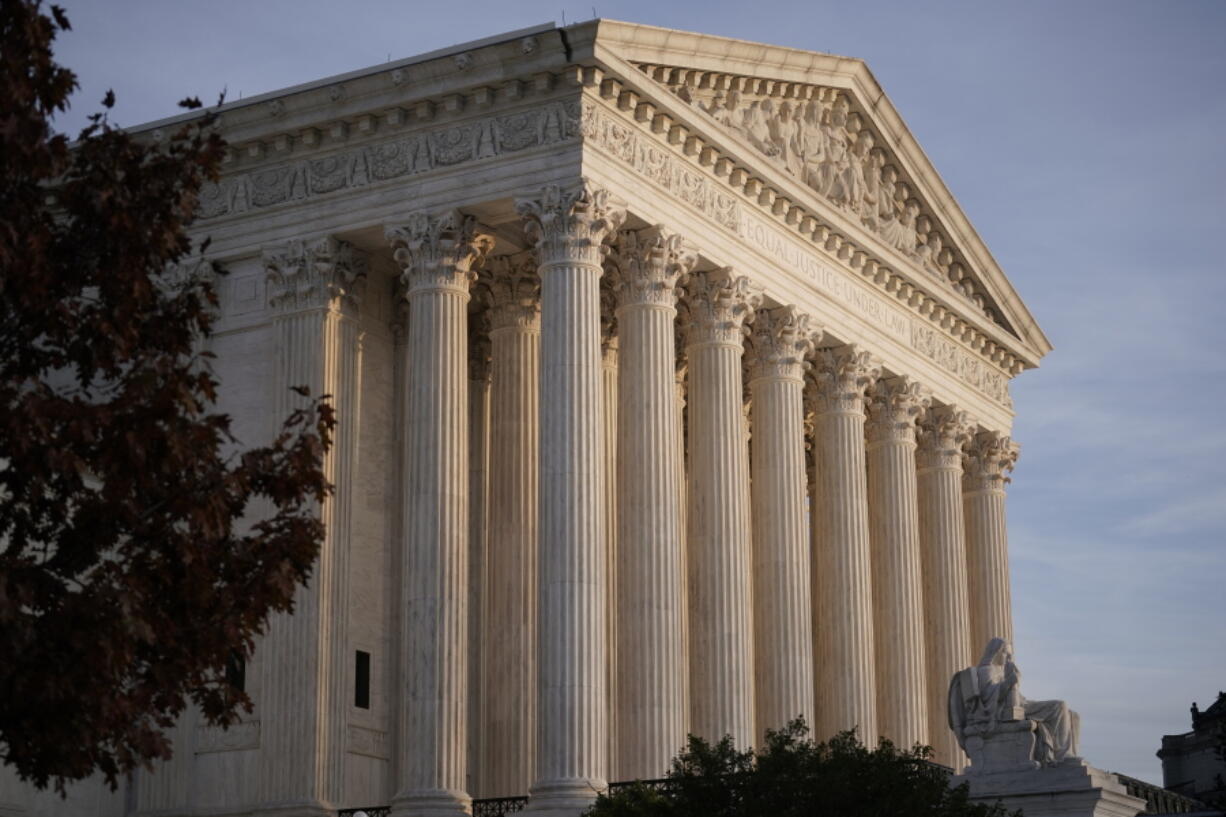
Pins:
x: 824, y: 123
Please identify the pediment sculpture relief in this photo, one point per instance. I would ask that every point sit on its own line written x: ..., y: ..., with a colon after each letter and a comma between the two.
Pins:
x: 820, y: 140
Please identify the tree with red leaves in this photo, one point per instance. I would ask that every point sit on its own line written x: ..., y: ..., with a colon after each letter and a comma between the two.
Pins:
x: 132, y: 567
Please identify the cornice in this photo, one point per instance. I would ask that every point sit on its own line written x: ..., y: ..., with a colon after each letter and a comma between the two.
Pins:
x: 681, y: 162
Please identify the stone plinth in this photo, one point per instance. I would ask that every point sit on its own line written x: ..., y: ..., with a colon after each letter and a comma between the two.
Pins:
x: 1072, y: 789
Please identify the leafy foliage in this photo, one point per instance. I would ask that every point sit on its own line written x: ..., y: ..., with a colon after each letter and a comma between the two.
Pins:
x: 794, y: 775
x: 130, y: 568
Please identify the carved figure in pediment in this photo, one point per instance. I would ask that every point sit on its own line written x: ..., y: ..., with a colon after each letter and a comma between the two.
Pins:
x: 833, y: 172
x: 787, y: 132
x: 870, y: 212
x: 757, y: 126
x: 811, y: 146
x: 888, y: 204
x: 855, y: 179
x: 725, y: 109
x: 900, y: 233
x: 930, y: 253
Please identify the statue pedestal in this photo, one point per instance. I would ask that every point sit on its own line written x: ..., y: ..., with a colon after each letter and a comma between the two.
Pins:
x: 1071, y: 789
x: 1002, y: 747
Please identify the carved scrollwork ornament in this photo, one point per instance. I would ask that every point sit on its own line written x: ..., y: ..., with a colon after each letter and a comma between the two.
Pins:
x: 512, y: 289
x: 569, y: 225
x: 840, y: 379
x: 895, y: 406
x: 439, y: 252
x: 779, y: 344
x: 718, y: 308
x: 316, y: 274
x: 648, y: 266
x: 945, y: 431
x: 987, y: 462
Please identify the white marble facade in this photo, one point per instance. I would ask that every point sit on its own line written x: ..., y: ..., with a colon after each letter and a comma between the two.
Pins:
x: 673, y: 397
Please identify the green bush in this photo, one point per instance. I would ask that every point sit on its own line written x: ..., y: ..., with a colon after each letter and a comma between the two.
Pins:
x: 795, y: 775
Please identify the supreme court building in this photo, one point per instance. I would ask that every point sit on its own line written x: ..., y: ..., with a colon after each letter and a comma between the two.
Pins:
x: 672, y: 388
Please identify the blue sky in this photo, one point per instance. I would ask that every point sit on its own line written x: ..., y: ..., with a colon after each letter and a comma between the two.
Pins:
x: 1084, y: 141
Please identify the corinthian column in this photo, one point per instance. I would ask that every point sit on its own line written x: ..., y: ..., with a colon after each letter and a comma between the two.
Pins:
x: 437, y: 254
x: 842, y: 573
x: 567, y: 227
x: 943, y: 434
x: 989, y: 459
x: 314, y: 291
x: 721, y: 636
x: 782, y: 614
x: 510, y: 683
x: 898, y: 603
x: 650, y: 585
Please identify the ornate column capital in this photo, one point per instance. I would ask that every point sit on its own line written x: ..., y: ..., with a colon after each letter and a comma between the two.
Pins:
x: 989, y: 458
x: 944, y: 432
x: 512, y: 289
x: 718, y: 306
x: 648, y: 265
x: 439, y: 251
x: 315, y: 274
x: 779, y: 343
x: 895, y: 407
x: 841, y: 377
x: 570, y: 224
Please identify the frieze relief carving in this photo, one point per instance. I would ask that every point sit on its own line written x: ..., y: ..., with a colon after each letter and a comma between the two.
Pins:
x: 688, y: 183
x: 816, y: 137
x: 407, y: 155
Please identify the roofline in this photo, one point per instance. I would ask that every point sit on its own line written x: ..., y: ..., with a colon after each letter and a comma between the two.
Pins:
x: 268, y: 96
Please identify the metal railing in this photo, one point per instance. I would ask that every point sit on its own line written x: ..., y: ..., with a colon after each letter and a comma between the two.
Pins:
x: 498, y: 806
x: 1159, y: 800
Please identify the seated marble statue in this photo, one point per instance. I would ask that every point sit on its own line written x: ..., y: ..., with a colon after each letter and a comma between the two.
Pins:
x: 986, y: 701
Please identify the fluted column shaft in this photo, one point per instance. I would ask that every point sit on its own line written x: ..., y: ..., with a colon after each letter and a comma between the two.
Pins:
x: 567, y: 227
x: 438, y: 254
x: 720, y: 553
x: 947, y: 638
x: 898, y: 604
x: 989, y: 459
x: 783, y: 624
x: 478, y: 540
x: 651, y: 683
x: 842, y: 588
x: 510, y: 687
x: 608, y: 374
x: 315, y: 291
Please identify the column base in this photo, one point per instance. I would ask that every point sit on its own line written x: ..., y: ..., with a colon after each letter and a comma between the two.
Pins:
x: 564, y: 798
x: 1070, y: 789
x: 432, y: 803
